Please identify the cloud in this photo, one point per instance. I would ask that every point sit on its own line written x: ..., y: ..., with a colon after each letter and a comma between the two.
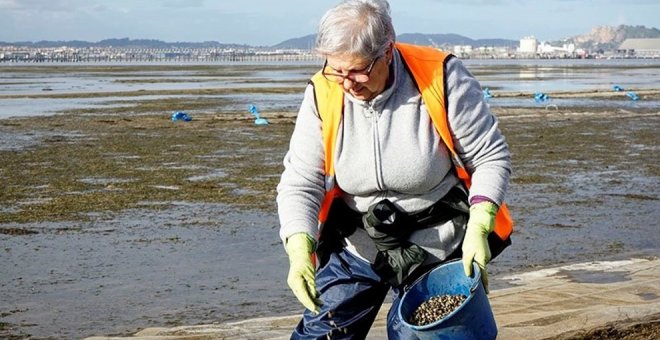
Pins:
x: 99, y: 8
x: 547, y: 2
x: 183, y: 3
x: 43, y: 5
x: 475, y: 2
x: 9, y: 4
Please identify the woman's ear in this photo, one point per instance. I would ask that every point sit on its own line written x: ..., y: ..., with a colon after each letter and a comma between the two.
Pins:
x: 390, y: 53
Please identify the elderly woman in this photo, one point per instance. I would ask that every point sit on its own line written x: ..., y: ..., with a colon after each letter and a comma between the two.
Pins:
x: 393, y: 149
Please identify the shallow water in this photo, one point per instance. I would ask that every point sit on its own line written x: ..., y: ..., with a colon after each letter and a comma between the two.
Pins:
x: 566, y: 75
x: 21, y: 107
x: 556, y: 103
x: 28, y: 86
x: 500, y: 75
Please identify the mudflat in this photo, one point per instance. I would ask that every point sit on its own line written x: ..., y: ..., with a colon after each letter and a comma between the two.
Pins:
x: 115, y: 219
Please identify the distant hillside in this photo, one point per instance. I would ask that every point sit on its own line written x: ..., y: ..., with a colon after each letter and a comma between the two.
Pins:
x: 610, y: 37
x: 124, y: 43
x: 453, y: 39
x: 303, y: 43
x: 601, y: 37
x: 308, y: 41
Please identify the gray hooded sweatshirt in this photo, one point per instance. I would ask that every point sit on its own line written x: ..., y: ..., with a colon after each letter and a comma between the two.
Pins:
x: 389, y: 148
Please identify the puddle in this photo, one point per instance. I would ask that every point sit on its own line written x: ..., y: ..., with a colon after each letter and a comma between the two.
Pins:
x: 8, y: 209
x: 104, y: 181
x: 245, y: 192
x: 17, y: 231
x: 206, y: 177
x: 587, y: 272
x: 648, y: 296
x: 588, y: 276
x: 166, y: 187
x: 35, y: 201
x: 177, y: 166
x: 16, y: 141
x: 12, y: 141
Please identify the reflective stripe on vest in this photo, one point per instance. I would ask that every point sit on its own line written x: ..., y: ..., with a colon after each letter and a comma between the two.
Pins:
x: 427, y: 68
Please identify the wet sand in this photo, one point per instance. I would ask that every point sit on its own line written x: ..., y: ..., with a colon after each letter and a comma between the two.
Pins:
x: 115, y: 221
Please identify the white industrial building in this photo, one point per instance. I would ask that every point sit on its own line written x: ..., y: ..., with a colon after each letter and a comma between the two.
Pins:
x: 549, y: 49
x: 528, y: 45
x: 462, y: 49
x: 640, y: 47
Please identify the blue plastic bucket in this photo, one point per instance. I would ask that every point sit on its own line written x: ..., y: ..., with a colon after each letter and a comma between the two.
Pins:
x: 473, y: 319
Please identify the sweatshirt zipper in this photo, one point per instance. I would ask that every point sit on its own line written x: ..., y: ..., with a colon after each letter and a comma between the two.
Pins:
x: 376, y: 149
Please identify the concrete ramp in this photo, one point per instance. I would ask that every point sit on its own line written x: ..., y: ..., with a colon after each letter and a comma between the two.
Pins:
x: 553, y: 301
x: 541, y: 304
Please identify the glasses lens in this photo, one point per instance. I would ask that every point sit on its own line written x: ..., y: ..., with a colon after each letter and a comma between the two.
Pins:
x: 362, y: 76
x: 358, y: 76
x: 333, y: 76
x: 330, y: 74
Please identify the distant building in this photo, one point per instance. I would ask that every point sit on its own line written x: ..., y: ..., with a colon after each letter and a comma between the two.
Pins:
x: 570, y: 48
x: 462, y: 49
x: 640, y: 47
x: 563, y: 51
x: 528, y: 45
x: 16, y: 56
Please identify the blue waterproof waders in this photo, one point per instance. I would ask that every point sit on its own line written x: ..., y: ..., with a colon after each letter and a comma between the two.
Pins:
x: 352, y: 294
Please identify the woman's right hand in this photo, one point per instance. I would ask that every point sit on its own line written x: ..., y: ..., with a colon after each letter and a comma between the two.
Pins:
x: 301, y: 279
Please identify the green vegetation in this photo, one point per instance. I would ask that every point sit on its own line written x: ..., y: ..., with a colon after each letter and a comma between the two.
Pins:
x: 96, y: 164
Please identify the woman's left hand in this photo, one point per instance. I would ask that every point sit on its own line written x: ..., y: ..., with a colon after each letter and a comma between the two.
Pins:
x: 475, y: 244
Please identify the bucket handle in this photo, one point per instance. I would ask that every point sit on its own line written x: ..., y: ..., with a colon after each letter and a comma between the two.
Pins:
x: 477, y: 279
x: 473, y: 287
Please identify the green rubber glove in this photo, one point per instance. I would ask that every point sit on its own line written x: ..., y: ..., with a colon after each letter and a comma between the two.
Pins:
x: 475, y: 244
x: 299, y: 247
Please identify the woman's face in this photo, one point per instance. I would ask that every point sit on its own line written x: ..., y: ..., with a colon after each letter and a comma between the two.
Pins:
x: 362, y: 78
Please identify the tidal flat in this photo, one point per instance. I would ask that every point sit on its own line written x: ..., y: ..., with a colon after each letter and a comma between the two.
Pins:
x: 114, y: 219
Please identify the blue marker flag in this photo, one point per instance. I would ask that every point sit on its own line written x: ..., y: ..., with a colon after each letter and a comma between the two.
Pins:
x: 255, y: 112
x: 487, y: 93
x: 540, y: 97
x: 180, y: 115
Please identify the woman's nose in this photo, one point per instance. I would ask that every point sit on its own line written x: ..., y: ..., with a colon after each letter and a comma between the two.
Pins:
x: 348, y: 83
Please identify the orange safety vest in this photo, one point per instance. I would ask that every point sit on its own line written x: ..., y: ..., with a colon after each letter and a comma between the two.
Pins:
x: 427, y: 68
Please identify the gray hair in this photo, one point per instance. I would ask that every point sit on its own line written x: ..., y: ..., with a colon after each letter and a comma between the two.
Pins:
x: 356, y: 27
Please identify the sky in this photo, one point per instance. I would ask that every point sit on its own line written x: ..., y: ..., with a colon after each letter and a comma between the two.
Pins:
x: 266, y: 22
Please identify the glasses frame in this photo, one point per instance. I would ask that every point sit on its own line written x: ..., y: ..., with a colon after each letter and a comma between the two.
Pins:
x: 351, y: 74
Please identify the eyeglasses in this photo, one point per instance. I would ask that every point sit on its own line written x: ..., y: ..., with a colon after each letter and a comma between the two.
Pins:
x: 358, y: 76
